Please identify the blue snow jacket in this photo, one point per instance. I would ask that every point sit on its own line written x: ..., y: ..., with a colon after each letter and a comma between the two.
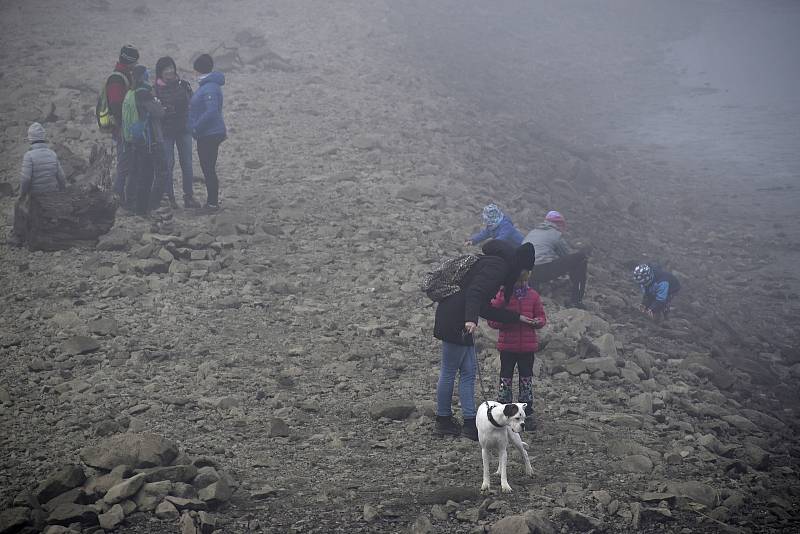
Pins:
x: 205, y: 107
x: 659, y: 292
x: 504, y: 230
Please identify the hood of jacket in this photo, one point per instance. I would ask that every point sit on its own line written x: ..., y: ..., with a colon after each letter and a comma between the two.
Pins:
x: 163, y: 63
x: 212, y: 77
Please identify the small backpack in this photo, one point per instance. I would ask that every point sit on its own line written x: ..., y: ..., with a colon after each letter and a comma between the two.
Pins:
x: 105, y: 119
x: 445, y: 279
x: 134, y: 126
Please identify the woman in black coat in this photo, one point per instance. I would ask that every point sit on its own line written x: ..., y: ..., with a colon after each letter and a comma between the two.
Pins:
x: 457, y: 319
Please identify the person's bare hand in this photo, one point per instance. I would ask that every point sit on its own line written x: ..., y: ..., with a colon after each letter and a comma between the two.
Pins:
x: 467, y: 242
x: 527, y: 320
x: 470, y: 327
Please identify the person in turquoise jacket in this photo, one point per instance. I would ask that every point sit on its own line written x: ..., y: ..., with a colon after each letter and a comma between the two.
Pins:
x: 498, y: 226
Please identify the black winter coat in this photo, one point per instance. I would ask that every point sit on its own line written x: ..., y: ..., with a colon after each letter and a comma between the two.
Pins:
x: 174, y: 96
x: 481, y: 283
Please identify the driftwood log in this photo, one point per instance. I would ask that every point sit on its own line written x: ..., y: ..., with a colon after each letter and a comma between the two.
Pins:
x: 75, y: 217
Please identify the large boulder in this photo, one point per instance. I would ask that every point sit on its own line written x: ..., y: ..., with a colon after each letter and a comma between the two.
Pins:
x: 136, y: 450
x: 63, y: 480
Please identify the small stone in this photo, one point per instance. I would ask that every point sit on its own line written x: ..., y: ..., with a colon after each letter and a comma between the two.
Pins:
x: 167, y: 511
x: 422, y: 525
x: 112, y: 518
x: 175, y: 473
x: 206, y: 476
x: 635, y: 463
x: 370, y: 513
x: 151, y: 494
x: 602, y: 496
x: 104, y: 327
x: 756, y: 457
x: 696, y: 491
x: 187, y: 525
x: 263, y: 493
x: 123, y: 490
x: 66, y: 514
x: 73, y: 496
x: 278, y: 428
x: 186, y: 504
x: 515, y: 524
x: 79, y: 345
x: 12, y: 519
x: 577, y: 519
x: 206, y: 522
x: 215, y: 494
x: 393, y: 409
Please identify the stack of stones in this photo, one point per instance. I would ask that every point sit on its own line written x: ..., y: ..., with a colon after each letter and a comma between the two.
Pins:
x: 125, y: 474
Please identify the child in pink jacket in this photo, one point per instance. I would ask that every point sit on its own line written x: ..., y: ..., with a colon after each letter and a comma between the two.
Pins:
x: 518, y: 343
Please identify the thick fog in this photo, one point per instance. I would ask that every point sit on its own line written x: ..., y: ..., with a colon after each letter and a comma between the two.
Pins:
x: 713, y: 87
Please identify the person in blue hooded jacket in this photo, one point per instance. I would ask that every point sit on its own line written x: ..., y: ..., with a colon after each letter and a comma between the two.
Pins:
x: 498, y: 226
x: 207, y: 124
x: 658, y: 287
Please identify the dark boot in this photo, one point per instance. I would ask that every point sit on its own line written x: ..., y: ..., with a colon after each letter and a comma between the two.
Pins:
x: 447, y: 426
x: 470, y: 431
x: 526, y: 396
x: 504, y: 394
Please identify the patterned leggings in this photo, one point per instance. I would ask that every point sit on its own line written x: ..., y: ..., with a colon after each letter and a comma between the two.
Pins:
x: 523, y: 361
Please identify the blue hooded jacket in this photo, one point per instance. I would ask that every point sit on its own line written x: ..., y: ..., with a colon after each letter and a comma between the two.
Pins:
x: 205, y: 107
x: 504, y: 230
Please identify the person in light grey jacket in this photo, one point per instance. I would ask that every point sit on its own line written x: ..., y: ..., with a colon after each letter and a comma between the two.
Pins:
x: 555, y: 258
x: 41, y: 173
x: 41, y: 170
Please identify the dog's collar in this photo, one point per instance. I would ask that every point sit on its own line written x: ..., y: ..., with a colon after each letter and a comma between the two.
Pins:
x: 489, y: 416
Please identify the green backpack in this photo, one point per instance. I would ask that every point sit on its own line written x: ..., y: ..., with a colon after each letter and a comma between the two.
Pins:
x: 134, y: 126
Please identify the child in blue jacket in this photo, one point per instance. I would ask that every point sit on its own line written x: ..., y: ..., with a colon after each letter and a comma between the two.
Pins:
x: 658, y: 287
x: 498, y: 226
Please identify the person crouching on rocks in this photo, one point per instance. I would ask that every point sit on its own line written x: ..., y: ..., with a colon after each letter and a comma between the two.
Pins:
x: 41, y: 173
x: 555, y: 258
x: 518, y: 343
x: 457, y: 319
x: 658, y: 287
x: 498, y: 225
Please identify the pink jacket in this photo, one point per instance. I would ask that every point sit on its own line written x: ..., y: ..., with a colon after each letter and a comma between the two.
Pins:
x: 519, y: 337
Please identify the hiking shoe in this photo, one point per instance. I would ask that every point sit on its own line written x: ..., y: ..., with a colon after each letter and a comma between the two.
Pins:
x: 447, y: 426
x: 531, y: 423
x: 470, y: 431
x: 190, y: 203
x: 211, y: 207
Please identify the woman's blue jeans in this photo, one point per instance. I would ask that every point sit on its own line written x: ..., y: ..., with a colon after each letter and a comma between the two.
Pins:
x: 183, y: 142
x: 462, y: 360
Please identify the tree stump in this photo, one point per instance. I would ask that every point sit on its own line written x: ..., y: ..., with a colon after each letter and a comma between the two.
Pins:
x: 75, y: 217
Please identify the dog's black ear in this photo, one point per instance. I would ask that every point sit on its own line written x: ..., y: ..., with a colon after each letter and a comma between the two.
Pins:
x: 510, y: 410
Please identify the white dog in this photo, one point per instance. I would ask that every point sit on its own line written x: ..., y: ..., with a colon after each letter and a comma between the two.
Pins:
x: 498, y: 424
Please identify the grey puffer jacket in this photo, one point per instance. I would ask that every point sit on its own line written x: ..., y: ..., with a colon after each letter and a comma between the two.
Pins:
x: 41, y: 171
x: 547, y: 240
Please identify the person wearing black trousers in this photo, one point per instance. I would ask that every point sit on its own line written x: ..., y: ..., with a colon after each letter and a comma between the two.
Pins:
x: 207, y: 124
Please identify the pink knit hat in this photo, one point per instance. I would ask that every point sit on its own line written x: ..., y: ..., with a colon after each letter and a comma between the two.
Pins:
x: 556, y: 218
